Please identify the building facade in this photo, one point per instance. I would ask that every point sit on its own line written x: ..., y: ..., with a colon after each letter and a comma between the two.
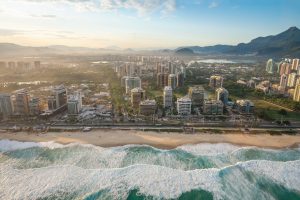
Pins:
x: 295, y: 64
x: 270, y: 66
x: 196, y: 94
x: 21, y: 106
x: 148, y: 107
x: 222, y: 95
x: 213, y: 107
x: 245, y: 106
x: 184, y: 106
x: 74, y: 103
x: 6, y: 107
x: 216, y: 81
x: 292, y: 80
x: 180, y: 79
x: 60, y: 94
x: 168, y: 97
x: 172, y: 82
x: 137, y: 95
x: 34, y: 106
x: 283, y: 82
x: 162, y: 79
x: 132, y: 82
x: 296, y: 96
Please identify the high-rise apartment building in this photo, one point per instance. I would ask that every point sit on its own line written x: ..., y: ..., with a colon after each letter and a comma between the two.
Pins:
x: 162, y: 79
x: 172, y: 82
x: 6, y: 107
x: 216, y: 81
x: 34, y: 106
x: 222, y: 95
x: 168, y: 97
x: 296, y: 96
x: 283, y: 82
x: 37, y: 64
x: 132, y: 82
x: 137, y: 95
x: 74, y: 103
x: 184, y: 106
x: 295, y: 64
x: 180, y: 79
x: 60, y: 94
x: 22, y: 102
x: 270, y: 67
x: 196, y: 94
x: 292, y: 80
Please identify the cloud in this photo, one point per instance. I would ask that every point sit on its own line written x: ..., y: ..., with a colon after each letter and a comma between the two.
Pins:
x: 142, y: 7
x: 40, y: 33
x: 44, y: 16
x: 9, y: 32
x: 213, y: 4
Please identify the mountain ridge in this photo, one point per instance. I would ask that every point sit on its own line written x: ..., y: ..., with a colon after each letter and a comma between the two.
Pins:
x: 286, y: 43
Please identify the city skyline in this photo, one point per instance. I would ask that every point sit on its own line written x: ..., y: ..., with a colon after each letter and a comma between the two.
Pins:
x: 142, y: 24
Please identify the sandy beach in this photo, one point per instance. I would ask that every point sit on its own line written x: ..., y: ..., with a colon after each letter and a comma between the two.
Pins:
x: 110, y: 138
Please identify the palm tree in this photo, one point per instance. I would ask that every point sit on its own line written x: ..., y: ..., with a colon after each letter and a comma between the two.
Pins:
x: 283, y: 113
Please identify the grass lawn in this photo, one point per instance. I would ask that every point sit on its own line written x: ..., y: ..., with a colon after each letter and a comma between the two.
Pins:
x: 272, y: 111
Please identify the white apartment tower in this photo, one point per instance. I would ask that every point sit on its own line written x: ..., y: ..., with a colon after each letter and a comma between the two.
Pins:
x: 168, y: 97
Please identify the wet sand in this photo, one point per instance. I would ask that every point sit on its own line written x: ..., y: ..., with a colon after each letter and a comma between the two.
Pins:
x: 110, y: 138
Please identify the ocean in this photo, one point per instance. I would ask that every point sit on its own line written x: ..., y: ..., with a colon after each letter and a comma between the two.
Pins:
x: 48, y: 170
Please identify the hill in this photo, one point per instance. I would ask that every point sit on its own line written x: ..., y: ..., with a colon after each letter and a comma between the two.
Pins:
x: 284, y: 44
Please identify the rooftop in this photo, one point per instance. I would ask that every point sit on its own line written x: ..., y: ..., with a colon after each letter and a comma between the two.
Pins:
x: 148, y: 102
x: 184, y: 99
x: 138, y: 89
x: 244, y: 102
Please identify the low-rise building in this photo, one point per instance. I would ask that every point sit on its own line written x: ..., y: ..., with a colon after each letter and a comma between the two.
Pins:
x: 213, y: 107
x: 264, y: 86
x: 148, y: 107
x: 245, y: 106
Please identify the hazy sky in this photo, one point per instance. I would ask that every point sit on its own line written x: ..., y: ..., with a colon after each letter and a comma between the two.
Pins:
x: 143, y: 23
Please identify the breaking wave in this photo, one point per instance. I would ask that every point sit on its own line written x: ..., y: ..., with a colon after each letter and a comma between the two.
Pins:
x: 204, y: 171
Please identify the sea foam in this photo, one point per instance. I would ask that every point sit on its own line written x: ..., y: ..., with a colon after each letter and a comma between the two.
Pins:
x: 42, y: 170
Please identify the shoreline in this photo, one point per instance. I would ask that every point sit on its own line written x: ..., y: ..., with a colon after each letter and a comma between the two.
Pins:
x: 162, y: 140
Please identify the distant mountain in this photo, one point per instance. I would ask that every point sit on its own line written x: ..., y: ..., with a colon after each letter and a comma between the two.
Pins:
x: 9, y: 49
x: 208, y: 49
x: 13, y: 49
x: 286, y: 43
x: 185, y: 52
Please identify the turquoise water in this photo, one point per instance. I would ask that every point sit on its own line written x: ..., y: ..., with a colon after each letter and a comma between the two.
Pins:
x: 203, y: 171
